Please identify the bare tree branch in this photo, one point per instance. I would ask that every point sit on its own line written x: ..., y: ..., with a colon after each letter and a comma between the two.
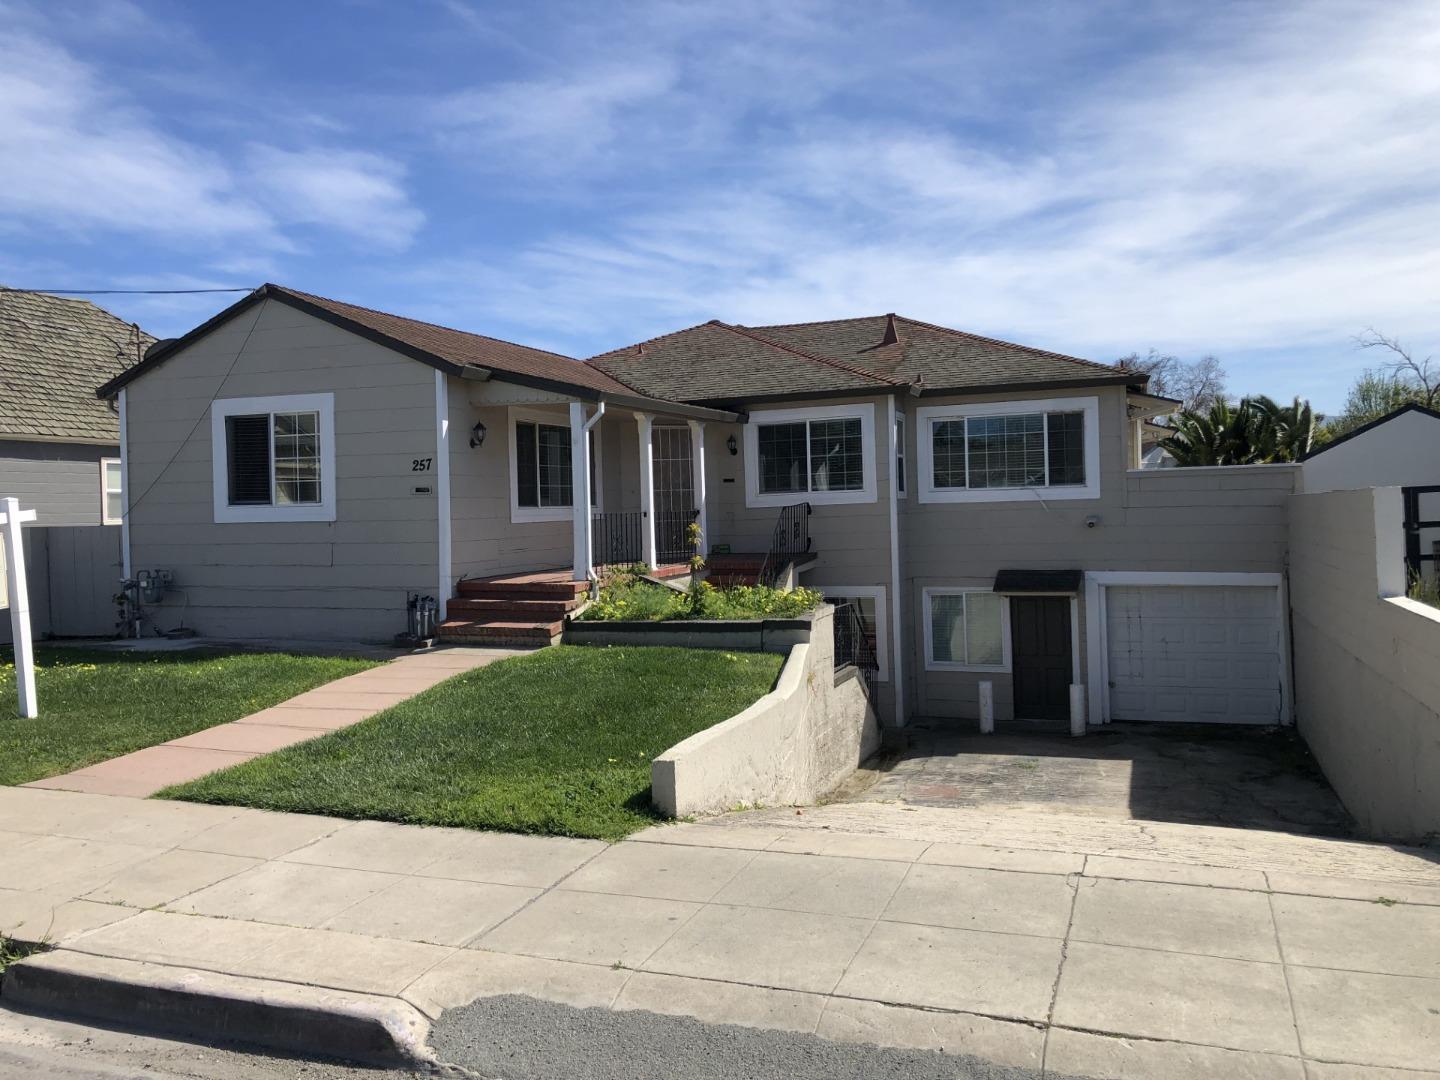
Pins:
x: 1421, y: 375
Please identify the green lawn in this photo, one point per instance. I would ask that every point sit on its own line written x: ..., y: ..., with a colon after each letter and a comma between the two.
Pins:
x: 556, y: 742
x: 97, y: 704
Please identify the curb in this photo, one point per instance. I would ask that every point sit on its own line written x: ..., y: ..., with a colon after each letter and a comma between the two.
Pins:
x: 304, y: 1020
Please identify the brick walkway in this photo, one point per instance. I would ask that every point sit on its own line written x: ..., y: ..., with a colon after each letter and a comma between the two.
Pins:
x: 327, y: 708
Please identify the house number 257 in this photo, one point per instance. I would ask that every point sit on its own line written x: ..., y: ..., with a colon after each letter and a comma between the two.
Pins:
x: 420, y: 464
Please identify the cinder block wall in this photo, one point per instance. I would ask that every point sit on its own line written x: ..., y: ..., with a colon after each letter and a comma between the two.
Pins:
x: 1367, y: 661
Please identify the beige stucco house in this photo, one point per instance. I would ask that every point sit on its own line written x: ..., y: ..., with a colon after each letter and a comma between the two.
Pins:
x: 300, y: 465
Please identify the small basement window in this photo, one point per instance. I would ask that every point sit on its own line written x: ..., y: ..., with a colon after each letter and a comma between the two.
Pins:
x: 274, y: 458
x: 966, y: 630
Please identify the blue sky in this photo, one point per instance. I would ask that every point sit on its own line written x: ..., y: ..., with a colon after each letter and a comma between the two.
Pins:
x: 1255, y: 180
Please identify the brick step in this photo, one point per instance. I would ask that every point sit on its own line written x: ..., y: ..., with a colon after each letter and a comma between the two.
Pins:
x: 499, y: 632
x: 501, y: 589
x: 515, y: 608
x: 740, y: 561
x: 729, y: 579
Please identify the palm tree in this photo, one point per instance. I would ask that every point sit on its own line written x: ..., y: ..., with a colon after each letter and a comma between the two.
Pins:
x: 1253, y: 431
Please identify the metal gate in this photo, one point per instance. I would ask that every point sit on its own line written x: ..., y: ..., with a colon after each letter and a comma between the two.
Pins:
x: 674, y: 492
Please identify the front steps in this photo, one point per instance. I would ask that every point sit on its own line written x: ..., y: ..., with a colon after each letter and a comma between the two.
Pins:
x: 512, y: 609
x: 731, y: 569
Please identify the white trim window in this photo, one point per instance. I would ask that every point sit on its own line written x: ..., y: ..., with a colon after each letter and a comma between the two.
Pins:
x: 541, y: 481
x: 966, y: 630
x: 1010, y: 450
x: 900, y: 455
x: 112, y: 494
x: 273, y: 458
x: 869, y: 602
x: 820, y: 455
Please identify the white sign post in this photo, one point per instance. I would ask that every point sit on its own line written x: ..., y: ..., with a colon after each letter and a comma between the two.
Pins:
x: 10, y: 518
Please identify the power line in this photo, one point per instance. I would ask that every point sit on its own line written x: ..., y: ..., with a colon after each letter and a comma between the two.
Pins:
x: 123, y: 292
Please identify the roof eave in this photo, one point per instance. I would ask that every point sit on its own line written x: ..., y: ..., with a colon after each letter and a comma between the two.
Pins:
x: 1033, y: 384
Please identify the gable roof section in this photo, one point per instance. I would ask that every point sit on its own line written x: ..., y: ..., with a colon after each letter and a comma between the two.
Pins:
x: 718, y: 361
x: 452, y: 351
x: 54, y: 352
x: 936, y: 358
x: 1363, y: 428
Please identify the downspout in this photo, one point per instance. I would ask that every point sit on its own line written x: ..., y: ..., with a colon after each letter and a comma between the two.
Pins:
x: 897, y: 654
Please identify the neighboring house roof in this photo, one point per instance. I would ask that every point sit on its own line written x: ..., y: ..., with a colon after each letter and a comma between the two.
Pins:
x: 1363, y: 428
x: 54, y: 352
x: 450, y: 350
x: 721, y: 362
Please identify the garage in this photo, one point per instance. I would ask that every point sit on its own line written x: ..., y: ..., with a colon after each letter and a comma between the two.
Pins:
x: 1194, y: 652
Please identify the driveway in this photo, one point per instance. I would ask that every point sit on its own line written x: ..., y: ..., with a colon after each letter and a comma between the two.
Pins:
x: 1196, y: 774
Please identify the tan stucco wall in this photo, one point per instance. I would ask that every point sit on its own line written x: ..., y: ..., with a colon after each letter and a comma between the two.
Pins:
x: 339, y: 580
x: 1367, y: 680
x: 791, y: 747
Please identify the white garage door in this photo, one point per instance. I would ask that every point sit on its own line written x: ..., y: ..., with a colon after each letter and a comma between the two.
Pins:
x: 1206, y: 654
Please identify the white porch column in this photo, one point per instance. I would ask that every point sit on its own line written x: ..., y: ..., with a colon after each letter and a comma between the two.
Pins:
x: 697, y: 465
x: 645, y: 423
x: 580, y: 490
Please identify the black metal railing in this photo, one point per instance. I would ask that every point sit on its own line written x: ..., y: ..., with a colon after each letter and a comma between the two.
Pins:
x: 672, y: 536
x: 788, y: 542
x: 617, y: 538
x: 1415, y: 557
x: 854, y: 644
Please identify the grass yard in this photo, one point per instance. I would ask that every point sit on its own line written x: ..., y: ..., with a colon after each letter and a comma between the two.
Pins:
x: 556, y: 742
x: 97, y: 704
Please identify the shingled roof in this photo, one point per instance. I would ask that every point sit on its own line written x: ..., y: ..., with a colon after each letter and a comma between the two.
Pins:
x: 440, y: 346
x: 717, y: 361
x: 54, y: 352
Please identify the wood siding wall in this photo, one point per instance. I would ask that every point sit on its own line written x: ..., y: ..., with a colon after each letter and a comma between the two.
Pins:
x: 60, y: 481
x: 338, y: 580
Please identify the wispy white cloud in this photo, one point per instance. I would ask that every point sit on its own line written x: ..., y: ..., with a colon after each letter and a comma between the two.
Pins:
x: 352, y: 192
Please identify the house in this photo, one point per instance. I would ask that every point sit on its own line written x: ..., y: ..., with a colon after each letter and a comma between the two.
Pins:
x: 303, y: 464
x: 60, y: 453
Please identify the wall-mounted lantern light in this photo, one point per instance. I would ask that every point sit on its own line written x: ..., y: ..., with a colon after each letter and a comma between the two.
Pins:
x: 732, y: 446
x: 477, y: 435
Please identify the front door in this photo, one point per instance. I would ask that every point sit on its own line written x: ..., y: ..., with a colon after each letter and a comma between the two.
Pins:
x: 674, y: 492
x: 1040, y: 648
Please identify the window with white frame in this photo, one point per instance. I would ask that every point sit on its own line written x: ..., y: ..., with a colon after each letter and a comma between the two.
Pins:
x: 869, y: 604
x: 274, y: 458
x: 966, y: 630
x: 542, y: 481
x: 1010, y: 450
x: 821, y: 455
x: 900, y: 454
x: 112, y: 503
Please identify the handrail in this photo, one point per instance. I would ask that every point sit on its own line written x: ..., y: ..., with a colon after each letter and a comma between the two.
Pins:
x: 1415, y: 558
x: 789, y: 540
x: 618, y: 537
x: 853, y: 646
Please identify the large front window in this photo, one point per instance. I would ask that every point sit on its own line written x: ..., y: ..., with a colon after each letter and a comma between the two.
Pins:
x: 274, y: 458
x: 543, y: 479
x: 1010, y: 451
x: 825, y: 454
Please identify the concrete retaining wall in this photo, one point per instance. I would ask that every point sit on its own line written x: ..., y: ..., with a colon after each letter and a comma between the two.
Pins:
x: 792, y: 746
x: 1367, y: 661
x: 747, y: 635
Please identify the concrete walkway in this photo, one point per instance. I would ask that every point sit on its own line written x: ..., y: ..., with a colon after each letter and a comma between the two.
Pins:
x: 327, y: 708
x: 1071, y: 945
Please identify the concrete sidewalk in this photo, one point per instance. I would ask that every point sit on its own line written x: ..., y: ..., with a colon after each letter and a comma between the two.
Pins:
x: 330, y: 707
x: 1076, y: 946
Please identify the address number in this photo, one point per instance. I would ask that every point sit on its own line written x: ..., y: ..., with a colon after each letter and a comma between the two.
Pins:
x: 421, y: 464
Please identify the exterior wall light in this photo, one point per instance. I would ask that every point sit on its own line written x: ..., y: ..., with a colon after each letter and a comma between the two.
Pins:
x: 477, y: 435
x: 732, y: 446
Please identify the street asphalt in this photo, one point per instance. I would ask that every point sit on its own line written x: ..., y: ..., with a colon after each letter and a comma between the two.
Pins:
x: 521, y: 1038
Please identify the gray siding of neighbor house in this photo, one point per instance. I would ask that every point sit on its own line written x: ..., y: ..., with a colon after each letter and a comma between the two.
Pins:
x: 1220, y: 520
x: 339, y: 580
x: 60, y: 481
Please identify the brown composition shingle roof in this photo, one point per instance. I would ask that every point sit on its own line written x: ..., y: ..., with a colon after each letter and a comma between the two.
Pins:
x: 717, y: 362
x: 54, y: 352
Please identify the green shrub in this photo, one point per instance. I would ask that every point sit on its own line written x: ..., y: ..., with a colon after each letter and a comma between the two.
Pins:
x: 1426, y: 591
x: 627, y: 597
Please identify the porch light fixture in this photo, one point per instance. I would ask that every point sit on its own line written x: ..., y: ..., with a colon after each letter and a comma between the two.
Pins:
x: 732, y: 446
x: 477, y: 435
